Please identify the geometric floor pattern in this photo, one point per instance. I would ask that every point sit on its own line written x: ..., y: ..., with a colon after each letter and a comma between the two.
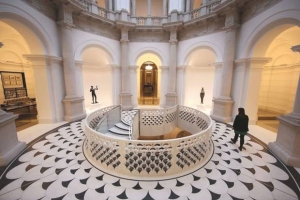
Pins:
x: 54, y: 167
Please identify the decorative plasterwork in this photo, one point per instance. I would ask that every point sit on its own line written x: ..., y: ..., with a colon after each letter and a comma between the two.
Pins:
x: 148, y: 36
x: 252, y: 8
x: 201, y: 28
x: 96, y: 27
x: 45, y: 7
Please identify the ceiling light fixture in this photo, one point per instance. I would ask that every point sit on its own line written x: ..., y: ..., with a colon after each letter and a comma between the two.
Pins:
x: 149, y: 67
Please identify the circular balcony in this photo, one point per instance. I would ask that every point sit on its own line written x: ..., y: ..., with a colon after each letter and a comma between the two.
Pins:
x: 113, y: 142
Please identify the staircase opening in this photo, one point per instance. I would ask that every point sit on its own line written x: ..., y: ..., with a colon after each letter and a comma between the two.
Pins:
x: 148, y: 84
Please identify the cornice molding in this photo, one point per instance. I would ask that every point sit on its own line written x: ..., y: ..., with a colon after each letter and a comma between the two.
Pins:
x: 172, y: 26
x: 256, y: 60
x: 40, y: 57
x: 125, y: 25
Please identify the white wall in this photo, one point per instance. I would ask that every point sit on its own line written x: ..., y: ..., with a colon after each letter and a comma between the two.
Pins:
x: 278, y: 88
x: 196, y: 78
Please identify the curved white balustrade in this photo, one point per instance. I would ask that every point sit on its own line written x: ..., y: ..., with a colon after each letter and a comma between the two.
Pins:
x: 151, y: 159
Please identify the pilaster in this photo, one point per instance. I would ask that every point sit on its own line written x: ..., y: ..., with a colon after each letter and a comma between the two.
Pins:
x: 48, y: 80
x: 248, y: 72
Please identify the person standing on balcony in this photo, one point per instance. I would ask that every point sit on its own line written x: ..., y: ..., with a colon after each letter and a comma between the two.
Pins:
x: 94, y: 96
x: 240, y: 127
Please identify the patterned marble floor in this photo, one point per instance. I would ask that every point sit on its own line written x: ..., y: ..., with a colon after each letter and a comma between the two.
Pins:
x: 54, y: 167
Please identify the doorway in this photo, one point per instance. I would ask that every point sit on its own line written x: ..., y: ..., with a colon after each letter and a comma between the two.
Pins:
x: 148, y: 84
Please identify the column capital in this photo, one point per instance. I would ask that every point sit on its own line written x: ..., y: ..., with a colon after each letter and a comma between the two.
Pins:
x: 65, y: 18
x: 65, y: 24
x: 173, y: 26
x: 182, y: 67
x: 133, y: 67
x: 217, y: 65
x: 123, y: 25
x: 162, y: 68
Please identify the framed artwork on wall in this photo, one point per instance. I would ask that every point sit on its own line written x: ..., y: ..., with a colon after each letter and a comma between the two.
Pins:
x: 13, y: 84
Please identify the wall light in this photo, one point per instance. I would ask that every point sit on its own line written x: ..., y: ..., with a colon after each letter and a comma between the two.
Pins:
x: 1, y: 44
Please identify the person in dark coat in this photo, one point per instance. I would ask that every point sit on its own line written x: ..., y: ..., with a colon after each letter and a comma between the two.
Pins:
x: 240, y: 127
x: 94, y: 96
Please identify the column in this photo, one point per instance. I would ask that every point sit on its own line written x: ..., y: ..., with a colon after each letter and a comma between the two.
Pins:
x: 286, y: 146
x: 73, y: 103
x: 133, y: 84
x: 181, y: 83
x: 171, y: 96
x: 165, y: 8
x: 10, y: 146
x: 133, y: 12
x: 149, y: 8
x: 188, y: 6
x: 222, y: 109
x: 116, y: 76
x: 110, y: 5
x: 125, y: 96
x: 164, y: 81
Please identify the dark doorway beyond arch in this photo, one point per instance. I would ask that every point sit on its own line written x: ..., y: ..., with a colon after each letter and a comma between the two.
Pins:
x: 148, y: 84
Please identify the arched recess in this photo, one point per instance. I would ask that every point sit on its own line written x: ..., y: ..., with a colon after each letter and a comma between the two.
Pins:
x: 276, y: 80
x: 280, y: 76
x: 33, y: 41
x: 155, y: 59
x: 97, y: 71
x: 200, y: 72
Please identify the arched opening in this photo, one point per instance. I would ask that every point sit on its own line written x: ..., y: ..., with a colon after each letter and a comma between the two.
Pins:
x: 148, y: 84
x: 17, y: 84
x: 97, y: 72
x: 200, y: 73
x: 279, y: 77
x: 149, y: 94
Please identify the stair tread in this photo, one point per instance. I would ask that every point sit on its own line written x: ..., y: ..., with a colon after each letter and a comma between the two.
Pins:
x: 116, y: 136
x: 122, y: 126
x: 118, y: 131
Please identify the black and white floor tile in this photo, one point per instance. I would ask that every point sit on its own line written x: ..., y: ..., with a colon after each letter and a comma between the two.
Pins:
x: 54, y: 167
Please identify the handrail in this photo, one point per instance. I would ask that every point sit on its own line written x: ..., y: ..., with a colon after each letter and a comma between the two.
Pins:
x: 153, y: 159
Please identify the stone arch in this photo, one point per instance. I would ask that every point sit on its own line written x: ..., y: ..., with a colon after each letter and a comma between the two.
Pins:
x: 283, y: 19
x: 206, y: 45
x: 38, y: 39
x: 94, y: 43
x: 150, y: 50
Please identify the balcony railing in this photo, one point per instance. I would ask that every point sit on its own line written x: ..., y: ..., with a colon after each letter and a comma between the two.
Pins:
x: 204, y: 10
x: 149, y: 21
x: 149, y: 159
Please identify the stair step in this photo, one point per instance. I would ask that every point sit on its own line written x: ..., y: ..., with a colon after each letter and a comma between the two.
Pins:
x: 112, y: 135
x: 118, y: 131
x: 122, y: 126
